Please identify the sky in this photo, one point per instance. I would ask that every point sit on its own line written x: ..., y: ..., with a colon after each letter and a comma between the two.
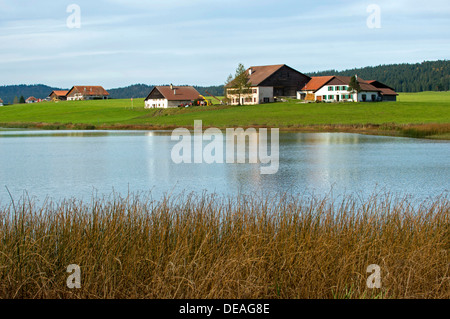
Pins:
x: 116, y: 43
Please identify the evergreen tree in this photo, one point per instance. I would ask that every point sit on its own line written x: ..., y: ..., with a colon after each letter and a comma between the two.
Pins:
x: 240, y: 84
x: 354, y: 86
x: 16, y: 100
x: 22, y: 99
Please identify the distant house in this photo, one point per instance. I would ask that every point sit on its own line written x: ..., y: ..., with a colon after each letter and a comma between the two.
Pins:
x: 268, y: 83
x: 1, y: 102
x: 31, y: 99
x: 171, y: 96
x: 80, y: 92
x: 58, y: 95
x: 335, y: 89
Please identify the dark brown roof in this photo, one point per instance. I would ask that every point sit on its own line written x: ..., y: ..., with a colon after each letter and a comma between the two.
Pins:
x: 380, y: 85
x: 88, y: 90
x: 177, y: 93
x: 260, y: 73
x: 385, y: 91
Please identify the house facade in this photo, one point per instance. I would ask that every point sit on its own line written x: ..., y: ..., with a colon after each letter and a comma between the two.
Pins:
x: 87, y: 93
x: 171, y: 96
x: 31, y: 99
x: 58, y: 95
x: 335, y: 89
x: 1, y: 102
x: 268, y: 84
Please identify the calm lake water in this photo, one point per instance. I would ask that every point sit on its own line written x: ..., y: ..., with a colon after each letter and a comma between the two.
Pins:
x: 66, y: 164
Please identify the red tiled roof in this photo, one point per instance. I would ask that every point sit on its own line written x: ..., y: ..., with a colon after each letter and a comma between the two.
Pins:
x: 31, y: 98
x: 178, y: 93
x: 1, y: 101
x: 60, y: 93
x: 316, y: 83
x: 88, y: 90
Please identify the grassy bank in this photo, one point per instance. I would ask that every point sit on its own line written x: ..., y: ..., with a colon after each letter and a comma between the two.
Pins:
x: 210, y: 247
x: 425, y: 114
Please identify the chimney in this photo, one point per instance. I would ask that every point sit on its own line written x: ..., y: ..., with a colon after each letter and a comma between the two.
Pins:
x: 171, y: 86
x: 174, y: 91
x: 250, y: 71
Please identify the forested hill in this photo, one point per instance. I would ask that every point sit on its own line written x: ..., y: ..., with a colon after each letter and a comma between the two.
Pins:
x: 425, y: 76
x: 142, y: 90
x: 39, y: 91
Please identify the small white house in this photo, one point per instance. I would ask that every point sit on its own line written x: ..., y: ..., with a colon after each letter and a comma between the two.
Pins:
x: 31, y: 99
x: 335, y: 89
x: 171, y: 96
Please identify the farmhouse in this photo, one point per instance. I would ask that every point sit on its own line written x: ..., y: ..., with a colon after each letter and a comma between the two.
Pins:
x: 1, y: 102
x: 58, y: 95
x: 87, y: 93
x: 31, y: 99
x: 268, y: 84
x: 335, y: 89
x: 171, y: 96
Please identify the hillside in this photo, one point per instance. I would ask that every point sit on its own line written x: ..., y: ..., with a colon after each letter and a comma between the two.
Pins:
x: 419, y: 77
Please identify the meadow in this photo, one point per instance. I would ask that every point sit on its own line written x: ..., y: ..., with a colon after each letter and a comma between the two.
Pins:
x: 425, y: 114
x: 205, y: 246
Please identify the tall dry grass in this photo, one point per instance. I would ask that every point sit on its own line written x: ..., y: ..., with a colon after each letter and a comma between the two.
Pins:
x: 215, y: 247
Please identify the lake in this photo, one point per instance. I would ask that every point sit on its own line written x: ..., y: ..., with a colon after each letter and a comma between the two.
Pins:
x: 80, y: 164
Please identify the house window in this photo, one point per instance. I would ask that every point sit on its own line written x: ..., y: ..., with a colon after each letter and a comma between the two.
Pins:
x: 324, y: 97
x: 331, y: 97
x: 330, y: 88
x: 337, y: 88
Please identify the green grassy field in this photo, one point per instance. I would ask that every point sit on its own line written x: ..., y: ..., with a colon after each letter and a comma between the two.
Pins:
x: 429, y: 110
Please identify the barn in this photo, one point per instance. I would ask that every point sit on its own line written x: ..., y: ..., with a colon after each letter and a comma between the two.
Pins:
x: 269, y: 83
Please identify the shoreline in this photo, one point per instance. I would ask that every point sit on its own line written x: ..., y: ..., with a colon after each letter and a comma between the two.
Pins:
x: 434, y: 131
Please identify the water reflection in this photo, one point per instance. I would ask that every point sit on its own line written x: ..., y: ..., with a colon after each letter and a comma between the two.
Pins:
x: 77, y: 163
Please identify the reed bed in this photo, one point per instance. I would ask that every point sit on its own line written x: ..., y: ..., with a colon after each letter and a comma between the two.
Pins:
x: 207, y: 246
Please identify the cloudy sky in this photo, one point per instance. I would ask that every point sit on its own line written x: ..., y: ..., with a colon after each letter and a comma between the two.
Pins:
x: 200, y: 42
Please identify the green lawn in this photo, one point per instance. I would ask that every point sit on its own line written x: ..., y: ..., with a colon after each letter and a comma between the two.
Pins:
x: 411, y: 108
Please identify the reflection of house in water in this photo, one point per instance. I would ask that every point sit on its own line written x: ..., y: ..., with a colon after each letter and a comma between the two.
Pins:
x: 328, y: 157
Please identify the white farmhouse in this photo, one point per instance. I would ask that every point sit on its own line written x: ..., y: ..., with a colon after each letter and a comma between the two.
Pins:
x: 335, y: 89
x: 268, y: 83
x: 83, y: 92
x: 171, y: 96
